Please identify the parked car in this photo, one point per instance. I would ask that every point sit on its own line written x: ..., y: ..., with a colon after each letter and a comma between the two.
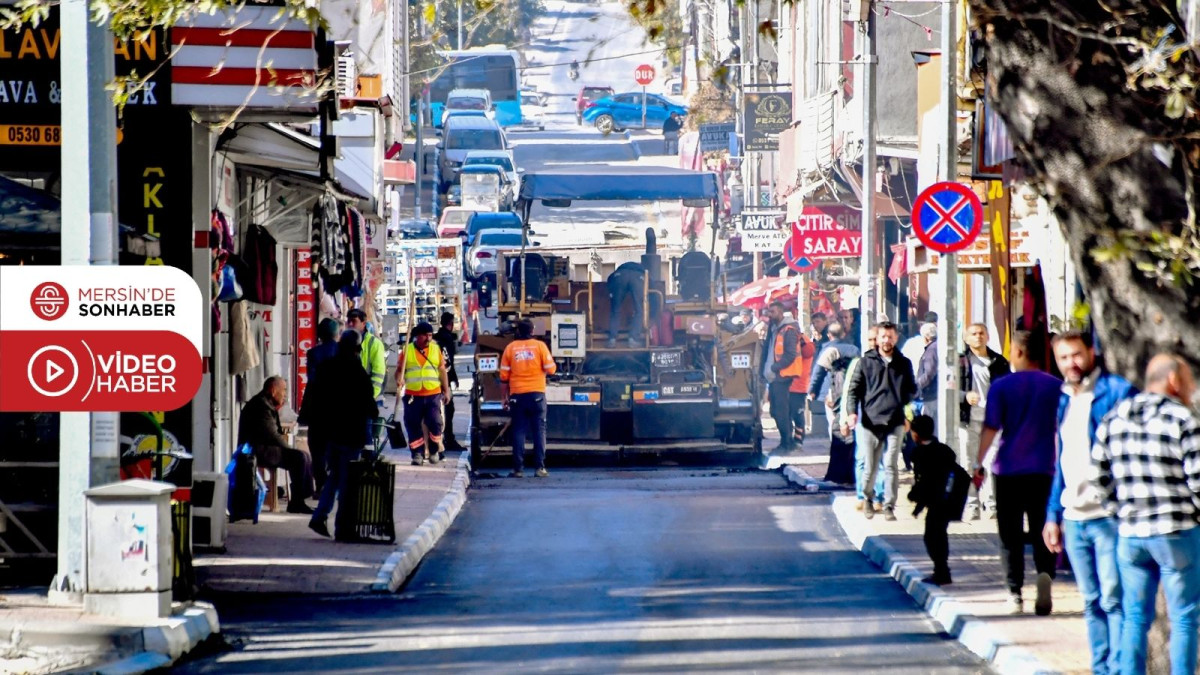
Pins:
x: 620, y: 112
x: 532, y: 114
x: 499, y: 158
x: 454, y: 222
x: 485, y: 187
x: 481, y: 256
x: 481, y: 220
x: 416, y: 229
x: 461, y: 136
x: 587, y: 96
x: 461, y: 113
x: 476, y: 100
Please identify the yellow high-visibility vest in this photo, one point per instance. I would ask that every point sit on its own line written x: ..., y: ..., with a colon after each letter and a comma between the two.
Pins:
x: 422, y: 373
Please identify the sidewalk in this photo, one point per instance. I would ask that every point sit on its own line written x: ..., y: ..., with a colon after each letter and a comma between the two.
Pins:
x: 972, y: 609
x: 281, y: 555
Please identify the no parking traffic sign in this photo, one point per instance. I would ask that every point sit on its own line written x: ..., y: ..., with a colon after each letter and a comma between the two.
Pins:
x: 796, y: 261
x: 947, y: 217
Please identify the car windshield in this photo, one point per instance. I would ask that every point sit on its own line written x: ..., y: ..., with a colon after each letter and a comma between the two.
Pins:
x: 474, y: 139
x: 456, y: 217
x: 494, y: 222
x: 499, y: 239
x: 467, y: 103
x: 502, y: 162
x: 593, y: 93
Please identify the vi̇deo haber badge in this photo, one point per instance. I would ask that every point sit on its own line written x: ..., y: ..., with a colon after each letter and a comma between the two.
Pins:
x: 116, y: 339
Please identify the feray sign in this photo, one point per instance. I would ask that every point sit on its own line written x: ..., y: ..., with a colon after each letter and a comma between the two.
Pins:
x: 119, y: 338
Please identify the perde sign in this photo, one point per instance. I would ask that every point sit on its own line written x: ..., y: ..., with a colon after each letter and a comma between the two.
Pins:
x: 111, y: 338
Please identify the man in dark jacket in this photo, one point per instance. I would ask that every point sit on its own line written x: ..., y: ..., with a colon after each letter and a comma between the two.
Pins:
x: 327, y: 334
x: 978, y: 369
x: 259, y: 426
x: 447, y: 339
x: 881, y: 387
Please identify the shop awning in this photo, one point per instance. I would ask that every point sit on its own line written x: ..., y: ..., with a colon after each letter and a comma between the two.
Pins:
x: 885, y: 206
x: 277, y: 146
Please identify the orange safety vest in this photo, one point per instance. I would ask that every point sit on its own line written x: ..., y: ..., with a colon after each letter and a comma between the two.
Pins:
x: 801, y: 368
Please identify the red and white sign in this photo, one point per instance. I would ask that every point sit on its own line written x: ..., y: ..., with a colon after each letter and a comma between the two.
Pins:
x: 306, y: 319
x: 644, y: 74
x: 121, y: 338
x: 252, y: 56
x: 828, y: 231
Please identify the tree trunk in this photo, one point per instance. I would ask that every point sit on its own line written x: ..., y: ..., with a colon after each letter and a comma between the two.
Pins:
x: 1109, y: 159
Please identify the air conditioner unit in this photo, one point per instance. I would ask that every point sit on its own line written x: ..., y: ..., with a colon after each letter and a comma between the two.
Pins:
x: 347, y: 76
x: 210, y: 495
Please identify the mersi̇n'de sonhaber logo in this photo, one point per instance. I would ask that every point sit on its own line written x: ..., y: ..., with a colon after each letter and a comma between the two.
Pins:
x: 99, y: 338
x: 49, y: 301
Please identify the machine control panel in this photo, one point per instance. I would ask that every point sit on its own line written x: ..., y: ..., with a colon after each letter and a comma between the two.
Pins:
x: 568, y: 335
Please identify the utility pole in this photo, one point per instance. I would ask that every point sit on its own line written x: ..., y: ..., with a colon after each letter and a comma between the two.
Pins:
x: 419, y: 154
x: 870, y: 259
x: 947, y: 406
x: 89, y: 188
x: 460, y: 26
x: 406, y: 78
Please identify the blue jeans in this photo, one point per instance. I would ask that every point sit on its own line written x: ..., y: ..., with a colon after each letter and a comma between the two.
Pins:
x: 860, y: 470
x: 340, y: 457
x: 881, y: 456
x: 1092, y: 548
x: 1175, y: 558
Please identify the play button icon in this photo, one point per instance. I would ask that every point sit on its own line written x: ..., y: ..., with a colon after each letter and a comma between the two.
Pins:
x: 52, y: 371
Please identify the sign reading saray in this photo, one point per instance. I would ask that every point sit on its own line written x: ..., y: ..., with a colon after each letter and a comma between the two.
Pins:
x: 256, y: 57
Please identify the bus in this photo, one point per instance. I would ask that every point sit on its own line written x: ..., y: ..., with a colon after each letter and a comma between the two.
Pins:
x: 495, y: 68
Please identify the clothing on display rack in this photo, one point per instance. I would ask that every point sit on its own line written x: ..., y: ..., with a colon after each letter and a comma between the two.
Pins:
x: 258, y: 253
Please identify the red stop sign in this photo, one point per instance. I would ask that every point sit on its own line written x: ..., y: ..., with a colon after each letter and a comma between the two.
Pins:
x: 644, y: 74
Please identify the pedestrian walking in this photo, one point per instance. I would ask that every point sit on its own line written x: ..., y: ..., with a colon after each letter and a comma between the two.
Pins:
x: 806, y: 352
x: 327, y: 337
x: 819, y: 330
x: 933, y: 466
x: 447, y: 340
x: 421, y: 376
x: 825, y: 389
x: 860, y: 457
x: 374, y: 353
x: 927, y: 373
x: 670, y: 129
x: 259, y: 426
x: 1020, y: 407
x: 978, y: 368
x: 523, y: 369
x: 884, y: 386
x: 914, y: 346
x: 342, y: 409
x: 1146, y: 466
x: 781, y: 363
x: 1075, y: 516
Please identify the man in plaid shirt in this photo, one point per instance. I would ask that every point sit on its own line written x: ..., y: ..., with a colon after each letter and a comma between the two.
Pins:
x: 1146, y: 464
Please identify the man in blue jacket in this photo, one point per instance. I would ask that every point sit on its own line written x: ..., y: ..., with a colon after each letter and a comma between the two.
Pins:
x: 1075, y: 516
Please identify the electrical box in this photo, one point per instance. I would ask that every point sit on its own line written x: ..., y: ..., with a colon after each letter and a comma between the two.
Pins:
x: 568, y: 336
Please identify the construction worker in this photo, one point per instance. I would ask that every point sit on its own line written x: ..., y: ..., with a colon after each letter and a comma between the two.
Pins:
x: 374, y: 353
x: 783, y: 364
x: 523, y: 369
x: 422, y: 380
x: 806, y: 351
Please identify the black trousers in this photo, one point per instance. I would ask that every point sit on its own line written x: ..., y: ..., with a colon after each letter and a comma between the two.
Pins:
x: 937, y: 542
x: 781, y: 408
x: 796, y: 404
x: 528, y: 420
x: 299, y: 465
x: 318, y: 447
x: 620, y: 286
x: 1018, y: 498
x: 450, y: 443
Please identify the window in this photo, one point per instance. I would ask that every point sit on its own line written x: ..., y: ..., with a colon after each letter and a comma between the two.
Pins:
x: 625, y: 99
x: 474, y: 139
x: 499, y: 239
x: 467, y: 103
x: 502, y: 162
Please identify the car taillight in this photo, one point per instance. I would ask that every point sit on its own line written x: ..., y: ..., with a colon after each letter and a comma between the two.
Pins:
x: 483, y: 254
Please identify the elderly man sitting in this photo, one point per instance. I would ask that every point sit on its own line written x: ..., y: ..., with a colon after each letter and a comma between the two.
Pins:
x: 259, y: 426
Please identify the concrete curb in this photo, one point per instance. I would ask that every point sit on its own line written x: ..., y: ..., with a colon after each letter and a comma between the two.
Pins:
x: 160, y: 645
x: 401, y: 563
x: 976, y: 634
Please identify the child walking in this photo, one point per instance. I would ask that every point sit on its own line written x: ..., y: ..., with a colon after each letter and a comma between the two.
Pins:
x: 937, y: 484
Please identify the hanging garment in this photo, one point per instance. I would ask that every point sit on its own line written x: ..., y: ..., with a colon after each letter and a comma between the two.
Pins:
x: 243, y: 348
x: 258, y: 251
x: 329, y: 241
x: 356, y: 228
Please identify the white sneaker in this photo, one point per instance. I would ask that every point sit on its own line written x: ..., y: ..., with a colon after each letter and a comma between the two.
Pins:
x: 1044, y: 602
x: 1015, y: 606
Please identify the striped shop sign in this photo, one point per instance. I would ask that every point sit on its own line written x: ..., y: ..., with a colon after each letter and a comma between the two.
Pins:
x: 252, y: 57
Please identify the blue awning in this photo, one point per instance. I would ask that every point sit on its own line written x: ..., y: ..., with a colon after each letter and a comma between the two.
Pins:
x: 618, y: 183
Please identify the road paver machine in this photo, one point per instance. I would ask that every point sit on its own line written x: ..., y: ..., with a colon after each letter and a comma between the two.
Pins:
x: 685, y: 391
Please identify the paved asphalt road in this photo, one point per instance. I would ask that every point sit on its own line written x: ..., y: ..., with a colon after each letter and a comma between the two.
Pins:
x: 596, y: 570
